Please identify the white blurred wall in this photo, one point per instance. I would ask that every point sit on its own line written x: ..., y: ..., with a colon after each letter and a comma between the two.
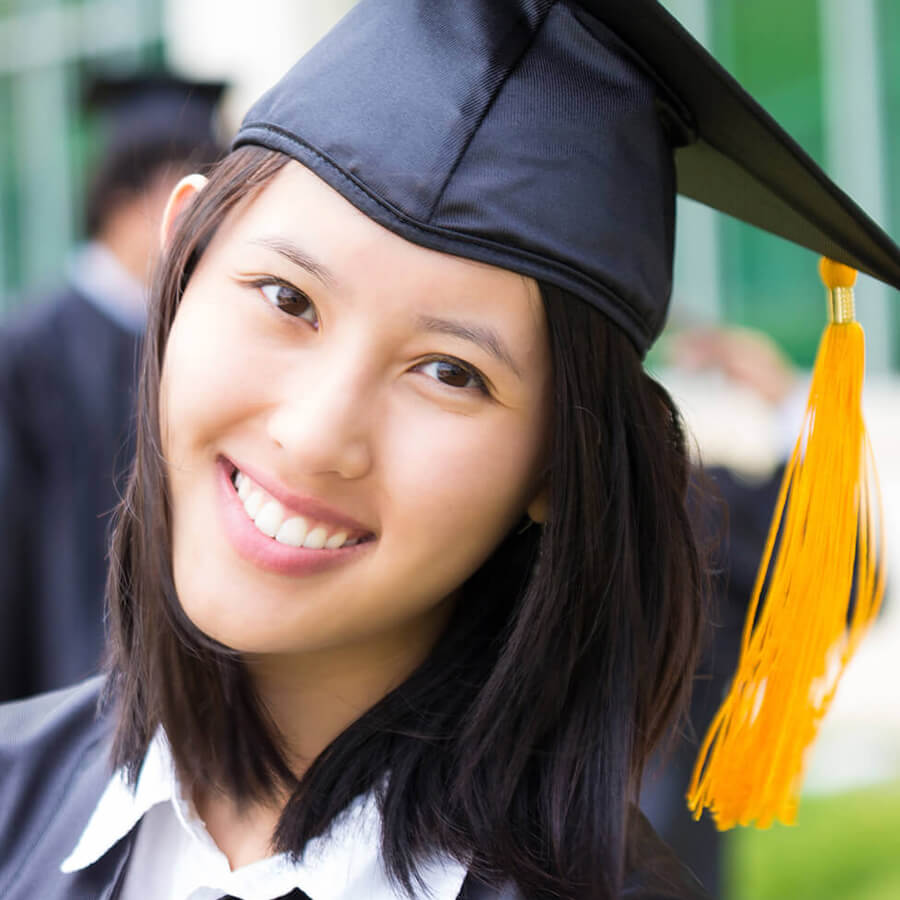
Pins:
x: 250, y: 45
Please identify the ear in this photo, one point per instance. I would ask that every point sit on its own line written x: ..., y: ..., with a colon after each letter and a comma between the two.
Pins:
x: 537, y: 509
x: 183, y: 194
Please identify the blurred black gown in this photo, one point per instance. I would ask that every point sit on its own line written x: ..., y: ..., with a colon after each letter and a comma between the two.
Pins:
x: 67, y: 374
x: 732, y: 516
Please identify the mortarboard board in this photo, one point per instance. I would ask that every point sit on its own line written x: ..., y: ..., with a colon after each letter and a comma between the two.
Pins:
x: 549, y: 137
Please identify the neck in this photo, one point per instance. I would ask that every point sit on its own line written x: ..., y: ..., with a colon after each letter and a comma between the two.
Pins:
x: 133, y: 253
x: 311, y: 698
x: 315, y: 697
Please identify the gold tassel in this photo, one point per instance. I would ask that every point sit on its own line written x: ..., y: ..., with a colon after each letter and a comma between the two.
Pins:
x: 798, y: 641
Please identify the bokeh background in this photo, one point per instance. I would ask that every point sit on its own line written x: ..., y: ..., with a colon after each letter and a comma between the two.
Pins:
x: 828, y: 70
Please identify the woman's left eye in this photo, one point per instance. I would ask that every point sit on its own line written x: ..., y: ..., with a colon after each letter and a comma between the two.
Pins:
x: 290, y: 301
x: 453, y: 374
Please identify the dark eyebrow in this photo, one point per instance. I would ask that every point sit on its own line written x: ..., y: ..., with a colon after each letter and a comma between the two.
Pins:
x: 294, y: 254
x: 483, y: 336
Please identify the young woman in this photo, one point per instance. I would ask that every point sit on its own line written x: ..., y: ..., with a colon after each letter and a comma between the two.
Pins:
x: 403, y: 591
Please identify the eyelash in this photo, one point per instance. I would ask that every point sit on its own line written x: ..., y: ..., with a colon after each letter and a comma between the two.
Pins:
x: 479, y: 385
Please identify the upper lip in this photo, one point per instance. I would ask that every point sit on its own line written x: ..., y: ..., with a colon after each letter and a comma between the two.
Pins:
x: 309, y: 507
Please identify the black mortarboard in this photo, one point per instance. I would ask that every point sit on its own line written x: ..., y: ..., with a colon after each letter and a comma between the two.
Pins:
x: 549, y: 138
x: 149, y: 121
x: 153, y: 107
x: 538, y: 135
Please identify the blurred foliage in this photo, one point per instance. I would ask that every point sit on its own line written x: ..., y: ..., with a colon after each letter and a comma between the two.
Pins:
x: 844, y: 847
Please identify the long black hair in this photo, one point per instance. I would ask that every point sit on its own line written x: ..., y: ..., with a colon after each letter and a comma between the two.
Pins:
x: 518, y: 745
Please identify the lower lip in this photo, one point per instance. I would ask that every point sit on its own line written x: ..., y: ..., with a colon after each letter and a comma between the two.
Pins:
x: 252, y: 545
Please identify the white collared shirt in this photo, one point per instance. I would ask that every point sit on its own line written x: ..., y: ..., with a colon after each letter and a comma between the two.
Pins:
x: 174, y: 857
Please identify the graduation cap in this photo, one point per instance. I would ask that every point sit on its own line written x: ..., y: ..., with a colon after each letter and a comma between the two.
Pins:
x: 550, y: 138
x: 150, y: 121
x: 139, y: 108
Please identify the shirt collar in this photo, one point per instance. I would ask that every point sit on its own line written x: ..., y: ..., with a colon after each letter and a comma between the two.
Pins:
x: 96, y: 273
x: 342, y: 864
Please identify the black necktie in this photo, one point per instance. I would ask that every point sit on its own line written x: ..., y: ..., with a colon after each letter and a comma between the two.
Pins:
x: 295, y: 894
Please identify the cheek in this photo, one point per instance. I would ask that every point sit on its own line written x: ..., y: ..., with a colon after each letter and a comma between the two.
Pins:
x: 463, y: 485
x: 204, y: 372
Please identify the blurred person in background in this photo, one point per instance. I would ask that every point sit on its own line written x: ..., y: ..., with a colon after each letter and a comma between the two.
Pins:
x: 67, y: 373
x: 735, y: 514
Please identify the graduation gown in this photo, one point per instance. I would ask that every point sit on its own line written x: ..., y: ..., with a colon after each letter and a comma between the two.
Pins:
x: 735, y: 514
x: 54, y: 765
x: 67, y: 374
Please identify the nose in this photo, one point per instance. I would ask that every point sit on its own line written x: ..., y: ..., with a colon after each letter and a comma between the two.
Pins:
x: 323, y: 422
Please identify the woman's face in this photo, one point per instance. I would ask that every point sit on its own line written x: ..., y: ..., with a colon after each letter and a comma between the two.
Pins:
x: 351, y: 424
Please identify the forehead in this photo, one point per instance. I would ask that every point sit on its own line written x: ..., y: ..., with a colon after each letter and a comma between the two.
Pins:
x: 364, y: 258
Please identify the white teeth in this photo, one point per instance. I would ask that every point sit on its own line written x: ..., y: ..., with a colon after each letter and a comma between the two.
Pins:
x: 315, y: 540
x: 268, y: 520
x: 269, y: 517
x: 293, y: 532
x: 253, y: 504
x: 336, y: 540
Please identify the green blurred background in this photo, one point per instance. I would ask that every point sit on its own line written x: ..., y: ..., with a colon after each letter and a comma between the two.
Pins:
x: 829, y: 71
x: 845, y: 846
x: 47, y: 48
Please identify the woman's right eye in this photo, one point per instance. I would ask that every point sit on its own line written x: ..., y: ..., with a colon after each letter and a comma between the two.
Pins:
x: 289, y: 300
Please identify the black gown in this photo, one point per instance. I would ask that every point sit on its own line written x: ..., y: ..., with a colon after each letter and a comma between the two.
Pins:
x: 67, y: 375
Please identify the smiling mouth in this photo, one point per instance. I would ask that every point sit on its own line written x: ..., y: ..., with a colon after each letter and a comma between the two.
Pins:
x: 286, y: 527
